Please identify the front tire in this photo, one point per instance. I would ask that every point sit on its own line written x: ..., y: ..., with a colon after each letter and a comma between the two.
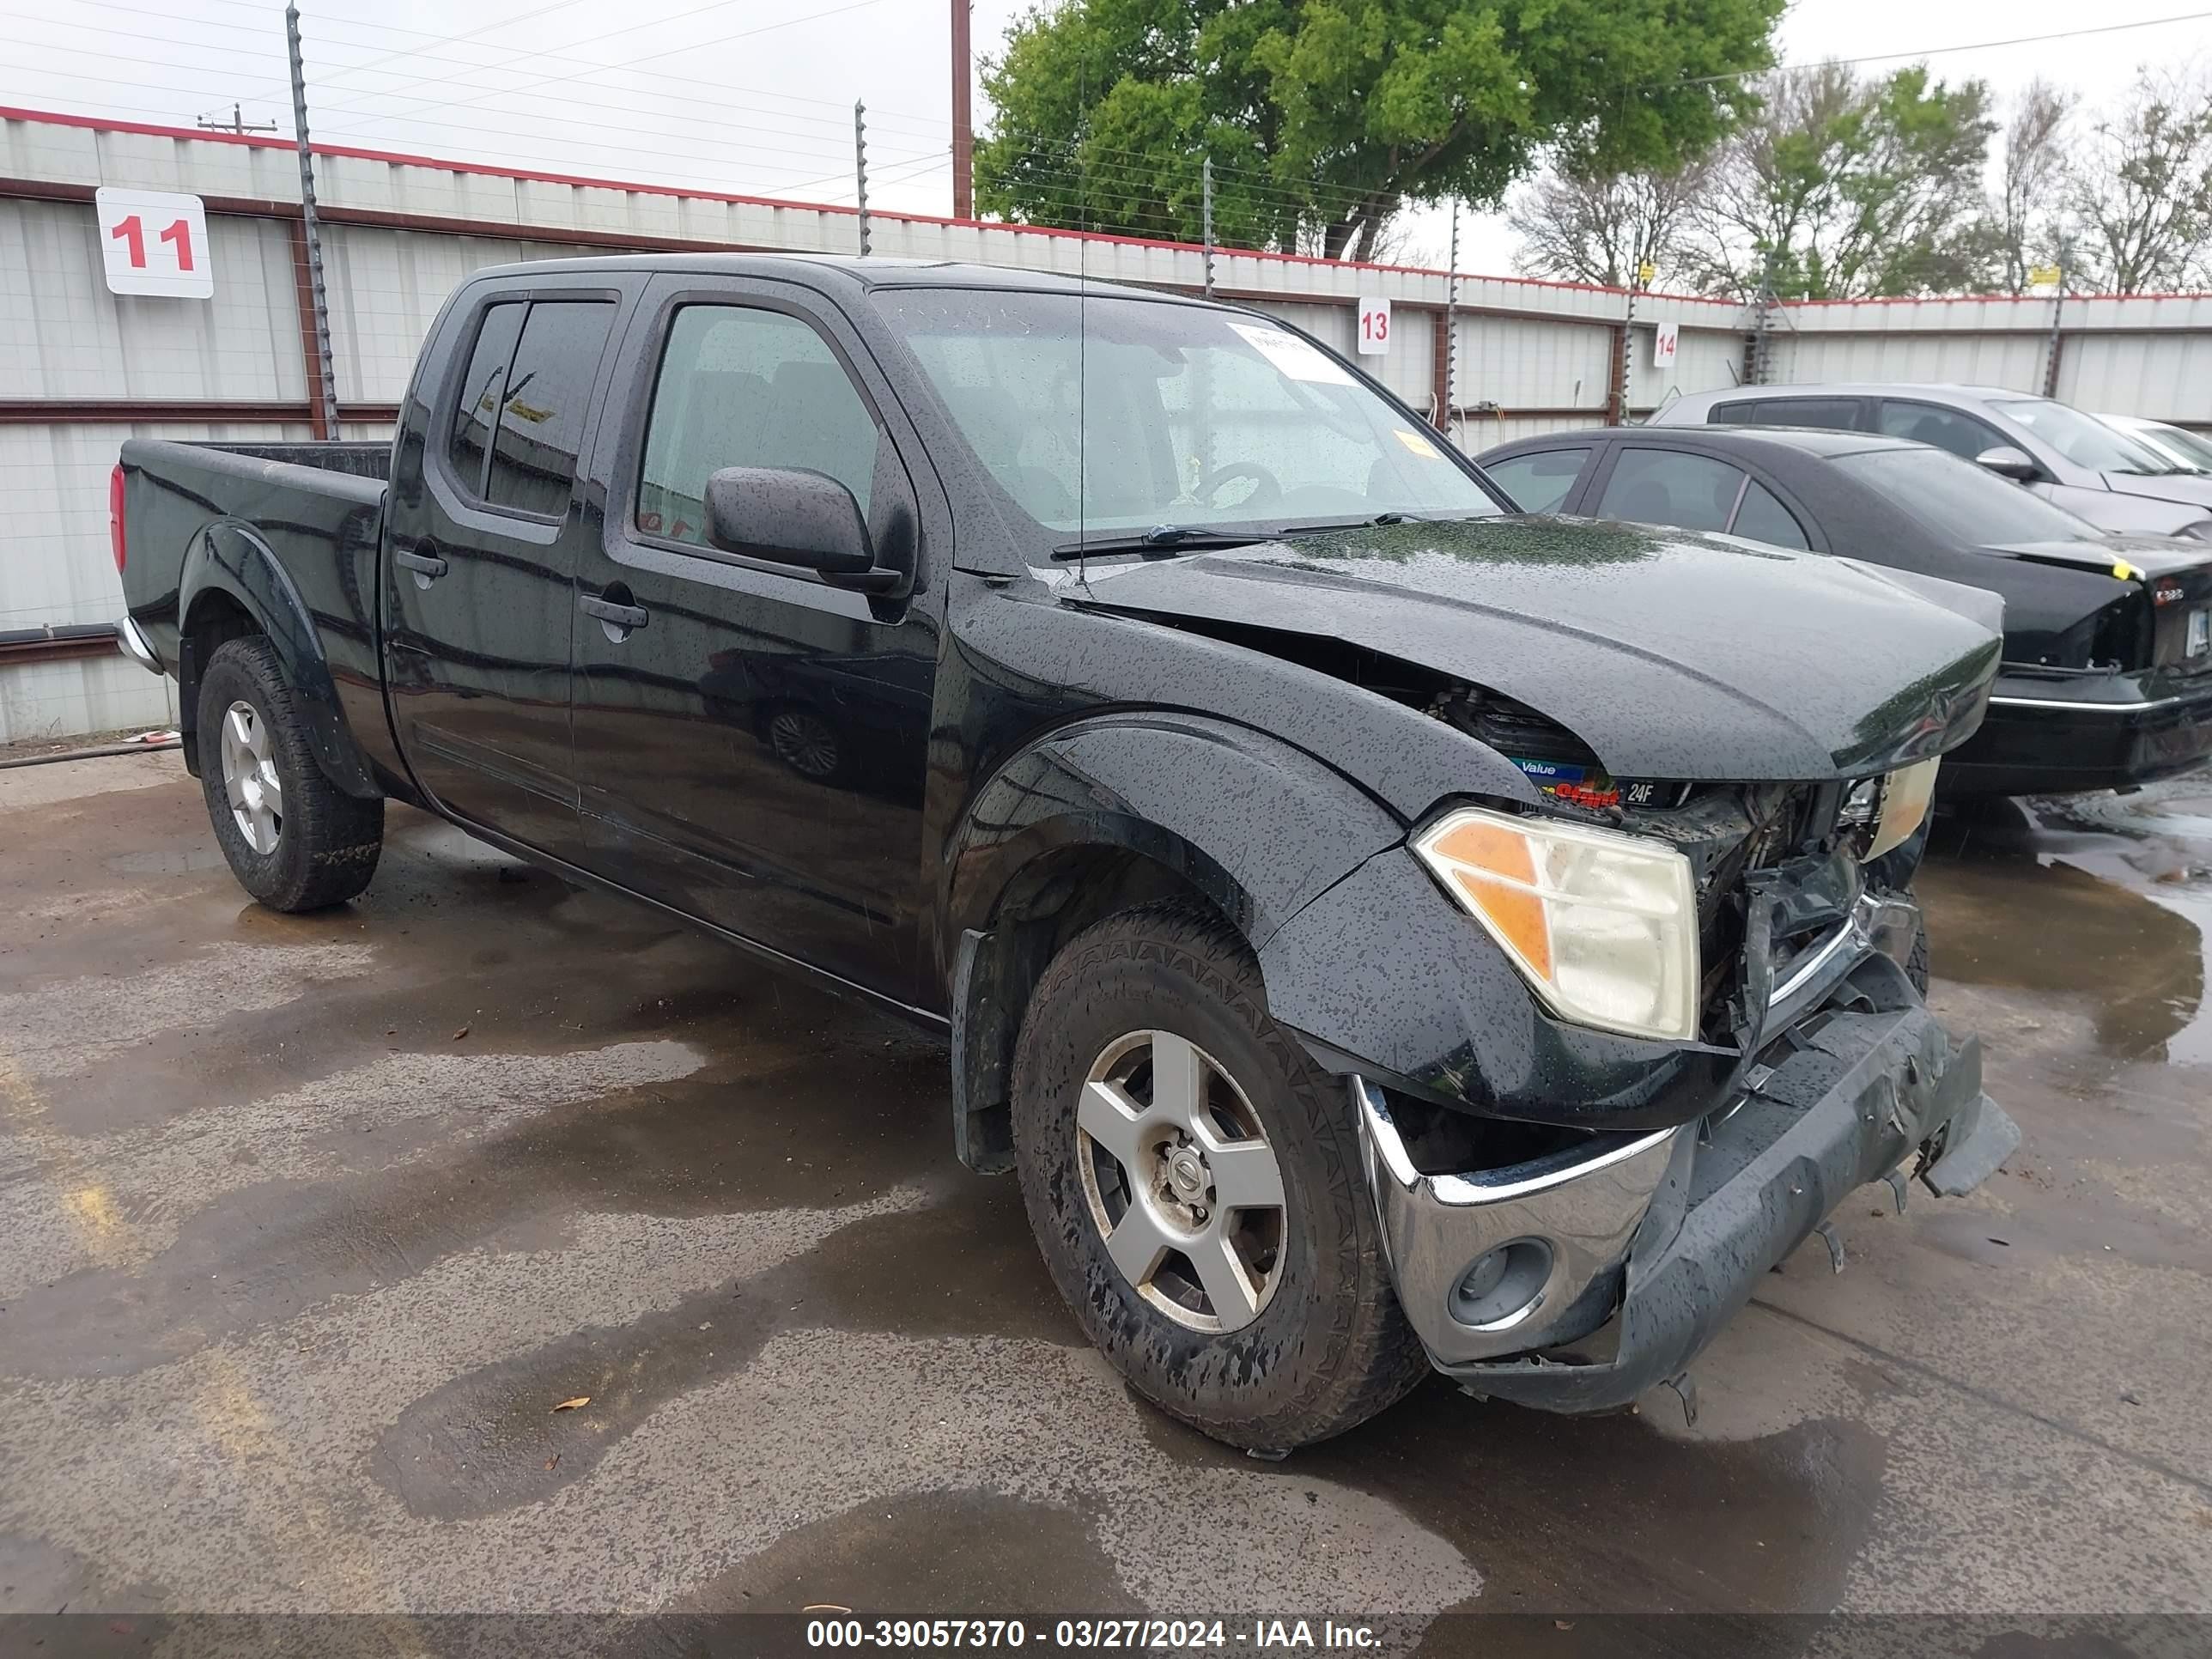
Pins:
x: 294, y: 840
x: 1193, y: 1182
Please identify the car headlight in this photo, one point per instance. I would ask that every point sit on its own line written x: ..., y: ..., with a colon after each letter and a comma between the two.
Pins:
x: 1603, y: 925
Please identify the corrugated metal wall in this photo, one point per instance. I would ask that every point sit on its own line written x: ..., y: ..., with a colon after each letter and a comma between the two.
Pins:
x: 400, y: 232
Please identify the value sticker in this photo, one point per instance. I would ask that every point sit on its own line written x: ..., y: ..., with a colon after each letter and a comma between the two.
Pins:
x: 1295, y: 357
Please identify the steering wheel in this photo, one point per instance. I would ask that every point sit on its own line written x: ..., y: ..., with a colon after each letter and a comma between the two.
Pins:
x: 1268, y: 493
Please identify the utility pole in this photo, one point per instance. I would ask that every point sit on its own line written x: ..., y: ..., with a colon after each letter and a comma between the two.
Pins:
x: 238, y: 123
x: 861, y: 166
x: 327, y: 413
x: 1206, y: 175
x: 963, y: 130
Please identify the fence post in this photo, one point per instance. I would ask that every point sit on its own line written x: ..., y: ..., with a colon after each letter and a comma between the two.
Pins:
x: 2051, y: 360
x: 861, y: 166
x: 1205, y: 209
x: 1448, y: 393
x: 1626, y: 348
x: 1761, y: 318
x: 323, y: 398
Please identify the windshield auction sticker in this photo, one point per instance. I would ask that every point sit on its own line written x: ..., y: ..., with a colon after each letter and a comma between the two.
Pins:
x: 1294, y: 357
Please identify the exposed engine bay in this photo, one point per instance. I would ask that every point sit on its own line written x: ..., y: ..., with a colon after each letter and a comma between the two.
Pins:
x: 1810, y: 847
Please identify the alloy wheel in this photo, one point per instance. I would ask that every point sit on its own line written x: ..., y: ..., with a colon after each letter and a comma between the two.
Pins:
x: 250, y: 782
x: 1183, y: 1186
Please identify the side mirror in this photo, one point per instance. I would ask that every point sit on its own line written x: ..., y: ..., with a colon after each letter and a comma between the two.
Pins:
x: 788, y: 515
x: 2008, y: 462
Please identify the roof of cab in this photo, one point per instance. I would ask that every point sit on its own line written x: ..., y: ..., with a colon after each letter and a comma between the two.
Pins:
x: 1822, y: 443
x: 838, y: 268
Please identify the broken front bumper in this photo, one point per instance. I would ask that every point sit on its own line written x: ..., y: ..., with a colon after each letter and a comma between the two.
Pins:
x: 1576, y: 1283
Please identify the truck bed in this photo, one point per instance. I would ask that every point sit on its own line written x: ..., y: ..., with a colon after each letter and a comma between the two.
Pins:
x: 288, y: 533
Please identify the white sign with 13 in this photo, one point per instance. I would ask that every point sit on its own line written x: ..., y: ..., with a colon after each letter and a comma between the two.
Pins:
x: 1374, y: 327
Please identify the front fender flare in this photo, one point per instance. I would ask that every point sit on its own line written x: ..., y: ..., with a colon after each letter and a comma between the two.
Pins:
x: 229, y: 557
x: 1257, y: 825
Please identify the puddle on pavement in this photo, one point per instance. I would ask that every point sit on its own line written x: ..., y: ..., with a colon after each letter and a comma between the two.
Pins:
x: 951, y: 1553
x: 2103, y: 901
x: 486, y: 1440
x: 1593, y: 1513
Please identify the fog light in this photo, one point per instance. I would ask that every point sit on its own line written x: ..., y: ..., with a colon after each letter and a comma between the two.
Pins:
x: 1503, y: 1286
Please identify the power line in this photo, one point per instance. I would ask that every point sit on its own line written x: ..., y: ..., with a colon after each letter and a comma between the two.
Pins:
x: 1938, y: 52
x: 696, y: 46
x: 724, y: 91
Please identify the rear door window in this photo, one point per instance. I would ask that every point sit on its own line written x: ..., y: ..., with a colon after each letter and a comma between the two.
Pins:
x: 1945, y: 429
x: 1669, y: 486
x: 1540, y: 480
x: 1763, y: 519
x: 542, y: 416
x: 1838, y: 414
x: 476, y: 411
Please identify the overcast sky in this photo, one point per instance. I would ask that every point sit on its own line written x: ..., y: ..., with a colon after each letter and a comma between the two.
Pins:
x: 757, y: 95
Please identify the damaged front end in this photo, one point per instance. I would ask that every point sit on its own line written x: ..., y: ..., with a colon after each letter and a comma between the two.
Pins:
x: 1578, y: 1277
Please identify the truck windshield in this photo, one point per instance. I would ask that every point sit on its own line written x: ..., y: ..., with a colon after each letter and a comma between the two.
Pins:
x: 1113, y: 417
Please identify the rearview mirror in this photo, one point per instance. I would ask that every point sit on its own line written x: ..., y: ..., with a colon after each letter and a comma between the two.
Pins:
x: 788, y: 515
x: 2008, y: 463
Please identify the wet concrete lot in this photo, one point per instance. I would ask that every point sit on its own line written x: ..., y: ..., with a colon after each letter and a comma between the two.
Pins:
x: 306, y: 1224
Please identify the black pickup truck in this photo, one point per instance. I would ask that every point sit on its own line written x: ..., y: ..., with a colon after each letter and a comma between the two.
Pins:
x: 1383, y: 930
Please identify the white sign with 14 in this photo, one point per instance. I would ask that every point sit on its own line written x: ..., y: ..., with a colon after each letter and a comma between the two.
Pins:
x: 154, y: 242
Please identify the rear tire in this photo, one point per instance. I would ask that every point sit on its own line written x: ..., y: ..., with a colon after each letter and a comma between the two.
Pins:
x: 294, y: 841
x: 1303, y: 1338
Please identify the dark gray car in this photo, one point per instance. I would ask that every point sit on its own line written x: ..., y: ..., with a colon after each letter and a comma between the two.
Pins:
x: 2107, y: 676
x: 2071, y: 459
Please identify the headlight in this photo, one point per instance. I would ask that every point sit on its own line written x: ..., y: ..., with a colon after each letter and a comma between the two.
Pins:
x: 1906, y: 795
x: 1604, y: 926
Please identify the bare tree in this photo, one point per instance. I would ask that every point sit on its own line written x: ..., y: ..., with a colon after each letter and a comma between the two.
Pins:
x: 1580, y: 225
x: 2028, y: 215
x: 2141, y: 188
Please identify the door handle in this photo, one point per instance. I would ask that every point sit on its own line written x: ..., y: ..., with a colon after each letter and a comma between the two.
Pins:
x: 618, y: 617
x: 427, y: 567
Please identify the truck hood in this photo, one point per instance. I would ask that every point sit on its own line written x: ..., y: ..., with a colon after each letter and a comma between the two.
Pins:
x: 1671, y: 655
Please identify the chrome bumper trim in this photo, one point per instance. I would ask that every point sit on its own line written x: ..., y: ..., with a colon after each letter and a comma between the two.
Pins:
x: 135, y: 646
x: 2080, y: 707
x: 1584, y: 1206
x: 1882, y: 927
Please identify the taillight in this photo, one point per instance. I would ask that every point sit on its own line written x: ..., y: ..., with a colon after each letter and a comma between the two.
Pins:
x: 115, y: 515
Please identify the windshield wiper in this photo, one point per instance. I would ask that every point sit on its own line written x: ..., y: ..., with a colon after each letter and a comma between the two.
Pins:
x: 1160, y: 539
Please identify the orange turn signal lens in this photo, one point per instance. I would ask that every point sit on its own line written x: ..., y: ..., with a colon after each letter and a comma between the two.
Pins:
x: 1493, y: 869
x: 1602, y: 925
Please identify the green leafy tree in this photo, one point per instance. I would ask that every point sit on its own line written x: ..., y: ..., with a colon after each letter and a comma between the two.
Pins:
x: 1323, y: 117
x: 1842, y: 187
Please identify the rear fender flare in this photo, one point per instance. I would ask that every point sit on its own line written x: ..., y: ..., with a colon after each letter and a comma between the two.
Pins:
x: 229, y: 557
